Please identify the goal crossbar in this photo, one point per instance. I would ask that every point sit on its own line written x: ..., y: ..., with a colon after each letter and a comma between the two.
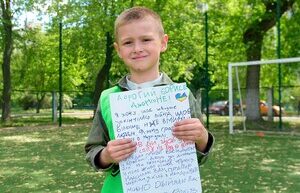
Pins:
x: 259, y: 62
x: 249, y: 63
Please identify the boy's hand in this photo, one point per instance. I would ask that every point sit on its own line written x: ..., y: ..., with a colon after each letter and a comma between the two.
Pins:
x: 191, y: 130
x: 116, y: 151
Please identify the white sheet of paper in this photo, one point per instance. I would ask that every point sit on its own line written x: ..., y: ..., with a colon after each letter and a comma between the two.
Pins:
x: 161, y: 163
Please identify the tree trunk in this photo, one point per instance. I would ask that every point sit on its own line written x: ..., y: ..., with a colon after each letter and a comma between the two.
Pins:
x: 39, y: 100
x: 7, y: 47
x: 253, y: 52
x: 102, y: 80
x: 253, y: 39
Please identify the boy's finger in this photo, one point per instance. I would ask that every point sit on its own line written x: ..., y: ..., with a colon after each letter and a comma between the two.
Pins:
x: 122, y: 141
x: 124, y: 156
x: 124, y: 152
x: 186, y: 127
x: 191, y: 137
x: 184, y: 133
x: 186, y: 121
x: 119, y: 146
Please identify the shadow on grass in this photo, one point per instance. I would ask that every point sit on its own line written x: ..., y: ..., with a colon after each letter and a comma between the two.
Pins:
x: 46, y: 160
x: 264, y: 125
x: 251, y: 163
x: 53, y: 160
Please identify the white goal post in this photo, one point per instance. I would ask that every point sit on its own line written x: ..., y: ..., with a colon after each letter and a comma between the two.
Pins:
x: 230, y: 80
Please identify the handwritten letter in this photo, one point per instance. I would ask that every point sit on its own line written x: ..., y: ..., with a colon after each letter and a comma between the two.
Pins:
x: 161, y: 163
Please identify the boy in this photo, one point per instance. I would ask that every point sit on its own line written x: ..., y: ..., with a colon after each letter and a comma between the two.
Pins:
x: 139, y: 41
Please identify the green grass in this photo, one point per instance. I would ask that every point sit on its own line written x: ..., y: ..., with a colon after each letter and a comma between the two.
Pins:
x: 248, y: 163
x: 290, y: 125
x: 23, y: 118
x: 46, y: 160
x: 51, y: 159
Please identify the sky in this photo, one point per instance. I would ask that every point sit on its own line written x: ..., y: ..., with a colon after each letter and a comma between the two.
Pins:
x: 34, y: 17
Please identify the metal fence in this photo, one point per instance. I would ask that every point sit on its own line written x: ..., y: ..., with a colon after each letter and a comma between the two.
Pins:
x: 43, y: 106
x: 290, y: 100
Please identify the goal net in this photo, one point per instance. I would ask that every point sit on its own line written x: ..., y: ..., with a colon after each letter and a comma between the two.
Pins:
x: 273, y: 105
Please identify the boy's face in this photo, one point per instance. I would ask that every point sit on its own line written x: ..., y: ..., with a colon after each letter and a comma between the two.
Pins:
x: 139, y: 45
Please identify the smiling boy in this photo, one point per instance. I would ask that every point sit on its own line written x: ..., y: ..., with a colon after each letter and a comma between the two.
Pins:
x: 139, y: 41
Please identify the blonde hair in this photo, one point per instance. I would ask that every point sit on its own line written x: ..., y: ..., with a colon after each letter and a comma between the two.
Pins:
x: 134, y: 14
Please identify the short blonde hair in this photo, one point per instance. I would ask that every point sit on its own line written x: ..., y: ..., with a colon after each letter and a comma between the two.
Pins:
x: 134, y: 14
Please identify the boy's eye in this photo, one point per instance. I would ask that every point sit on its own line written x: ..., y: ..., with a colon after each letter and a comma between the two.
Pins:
x: 147, y: 39
x: 127, y: 43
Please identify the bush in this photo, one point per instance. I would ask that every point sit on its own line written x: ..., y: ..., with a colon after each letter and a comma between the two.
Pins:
x: 28, y: 102
x: 67, y: 102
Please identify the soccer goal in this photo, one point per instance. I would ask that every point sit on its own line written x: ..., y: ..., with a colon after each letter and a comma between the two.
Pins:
x: 278, y: 95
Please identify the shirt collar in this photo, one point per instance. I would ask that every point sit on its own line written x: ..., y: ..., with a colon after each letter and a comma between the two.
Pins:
x: 134, y: 86
x: 164, y: 81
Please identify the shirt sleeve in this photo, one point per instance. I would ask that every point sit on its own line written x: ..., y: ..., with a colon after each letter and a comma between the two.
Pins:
x: 196, y: 113
x: 96, y: 141
x: 202, y: 156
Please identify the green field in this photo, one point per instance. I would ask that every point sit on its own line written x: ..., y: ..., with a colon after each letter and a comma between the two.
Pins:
x: 51, y: 159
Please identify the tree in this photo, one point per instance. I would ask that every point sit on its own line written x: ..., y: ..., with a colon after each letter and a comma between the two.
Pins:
x: 253, y: 40
x: 7, y: 51
x: 90, y: 64
x: 102, y: 81
x: 37, y: 63
x: 109, y: 9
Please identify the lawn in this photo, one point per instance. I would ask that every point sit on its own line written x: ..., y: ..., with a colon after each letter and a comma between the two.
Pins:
x: 248, y: 163
x: 51, y: 159
x: 46, y: 160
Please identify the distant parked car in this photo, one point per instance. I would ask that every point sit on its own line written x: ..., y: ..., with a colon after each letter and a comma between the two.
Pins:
x: 222, y: 108
x: 263, y: 107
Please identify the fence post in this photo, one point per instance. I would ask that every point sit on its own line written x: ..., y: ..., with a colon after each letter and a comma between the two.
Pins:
x: 54, y: 107
x: 199, y: 98
x: 270, y: 104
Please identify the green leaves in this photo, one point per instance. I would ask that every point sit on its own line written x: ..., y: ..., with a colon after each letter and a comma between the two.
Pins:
x: 85, y: 24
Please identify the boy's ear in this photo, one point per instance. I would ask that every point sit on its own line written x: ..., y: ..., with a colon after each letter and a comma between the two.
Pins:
x: 164, y: 43
x: 116, y: 46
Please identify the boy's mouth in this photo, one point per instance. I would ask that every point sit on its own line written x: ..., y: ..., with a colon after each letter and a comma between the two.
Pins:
x: 138, y: 57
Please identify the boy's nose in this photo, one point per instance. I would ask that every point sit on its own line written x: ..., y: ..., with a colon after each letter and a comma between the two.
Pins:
x: 138, y: 47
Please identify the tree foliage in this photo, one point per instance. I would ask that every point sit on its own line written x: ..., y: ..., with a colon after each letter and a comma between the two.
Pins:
x: 88, y: 35
x: 253, y: 40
